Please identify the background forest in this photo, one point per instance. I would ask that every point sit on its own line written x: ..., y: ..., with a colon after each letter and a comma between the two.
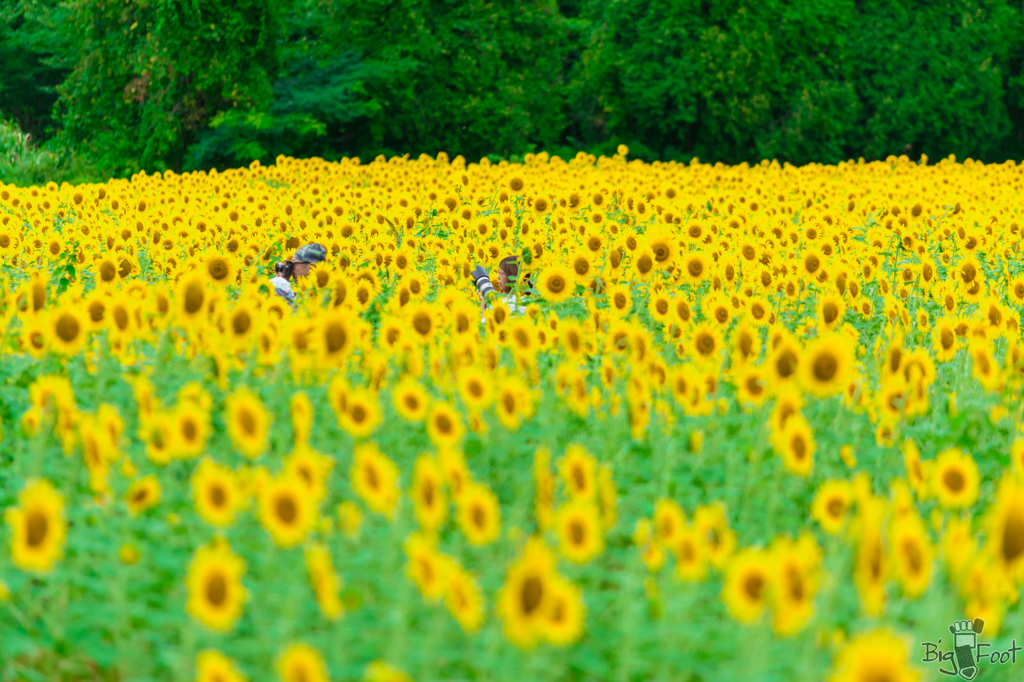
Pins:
x: 91, y: 89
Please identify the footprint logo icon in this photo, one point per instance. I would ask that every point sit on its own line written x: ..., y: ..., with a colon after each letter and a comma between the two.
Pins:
x: 965, y: 641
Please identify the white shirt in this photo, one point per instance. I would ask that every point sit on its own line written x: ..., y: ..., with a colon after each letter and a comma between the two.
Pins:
x: 283, y: 288
x: 510, y: 302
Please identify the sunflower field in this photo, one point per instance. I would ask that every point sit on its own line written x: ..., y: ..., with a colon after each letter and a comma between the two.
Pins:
x: 746, y: 422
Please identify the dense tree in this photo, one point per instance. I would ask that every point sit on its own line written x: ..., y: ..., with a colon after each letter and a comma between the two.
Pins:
x: 200, y: 83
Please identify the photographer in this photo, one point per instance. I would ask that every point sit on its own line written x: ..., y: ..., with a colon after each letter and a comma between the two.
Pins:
x: 508, y: 273
x: 297, y: 267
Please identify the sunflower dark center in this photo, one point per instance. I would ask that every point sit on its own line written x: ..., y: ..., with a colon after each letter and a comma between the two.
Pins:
x: 216, y: 590
x: 754, y: 586
x: 531, y: 594
x: 954, y: 480
x: 286, y: 509
x: 68, y: 328
x: 218, y: 497
x: 38, y: 528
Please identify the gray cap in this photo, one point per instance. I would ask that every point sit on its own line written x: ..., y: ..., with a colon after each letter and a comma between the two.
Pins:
x: 310, y: 253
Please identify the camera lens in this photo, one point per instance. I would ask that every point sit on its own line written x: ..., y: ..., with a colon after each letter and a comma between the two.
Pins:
x: 482, y: 281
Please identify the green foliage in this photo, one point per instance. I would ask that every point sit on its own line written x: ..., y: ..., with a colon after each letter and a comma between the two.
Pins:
x: 311, y: 104
x: 186, y: 84
x: 22, y: 162
x: 34, y: 56
x: 798, y: 81
x: 152, y: 75
x: 487, y: 77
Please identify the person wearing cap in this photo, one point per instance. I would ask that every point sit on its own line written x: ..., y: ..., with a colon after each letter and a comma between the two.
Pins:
x: 508, y: 272
x: 298, y: 266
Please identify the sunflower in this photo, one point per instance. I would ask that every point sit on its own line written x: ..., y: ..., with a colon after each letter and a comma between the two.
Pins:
x: 831, y: 309
x: 214, y: 581
x: 310, y: 467
x: 523, y: 600
x: 564, y: 615
x: 192, y: 424
x: 479, y: 514
x: 213, y: 666
x: 793, y: 582
x: 746, y: 342
x: 578, y: 525
x: 456, y: 473
x: 325, y: 582
x: 582, y: 266
x: 375, y: 479
x: 579, y: 472
x: 513, y: 404
x: 669, y: 520
x: 620, y: 300
x: 219, y: 270
x: 475, y: 388
x: 660, y: 307
x: 912, y: 555
x: 33, y: 336
x: 871, y: 564
x: 123, y: 316
x: 955, y: 479
x: 705, y: 343
x: 410, y: 399
x: 811, y: 261
x: 444, y: 425
x: 694, y: 268
x: 240, y: 326
x: 663, y: 246
x: 362, y: 413
x: 321, y: 276
x: 746, y: 584
x: 287, y: 510
x: 143, y: 494
x: 984, y: 367
x: 37, y: 526
x: 192, y: 299
x: 712, y: 527
x: 430, y: 504
x: 426, y: 567
x: 216, y: 493
x: 301, y: 409
x: 785, y: 360
x: 796, y: 445
x: 161, y: 438
x: 248, y: 422
x: 556, y: 283
x: 67, y: 330
x: 827, y: 365
x: 690, y: 553
x: 463, y: 598
x: 831, y: 504
x: 871, y: 657
x: 301, y: 663
x: 1006, y: 529
x: 643, y: 265
x: 422, y: 324
x: 751, y: 385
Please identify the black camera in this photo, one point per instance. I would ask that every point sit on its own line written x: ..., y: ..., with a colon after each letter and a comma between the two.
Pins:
x: 482, y: 281
x: 284, y: 269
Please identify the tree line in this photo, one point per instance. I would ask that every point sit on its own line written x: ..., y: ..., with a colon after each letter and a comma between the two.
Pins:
x: 123, y: 86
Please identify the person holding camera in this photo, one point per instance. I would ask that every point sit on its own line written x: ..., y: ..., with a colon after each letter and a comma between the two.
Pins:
x: 298, y: 266
x: 508, y: 272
